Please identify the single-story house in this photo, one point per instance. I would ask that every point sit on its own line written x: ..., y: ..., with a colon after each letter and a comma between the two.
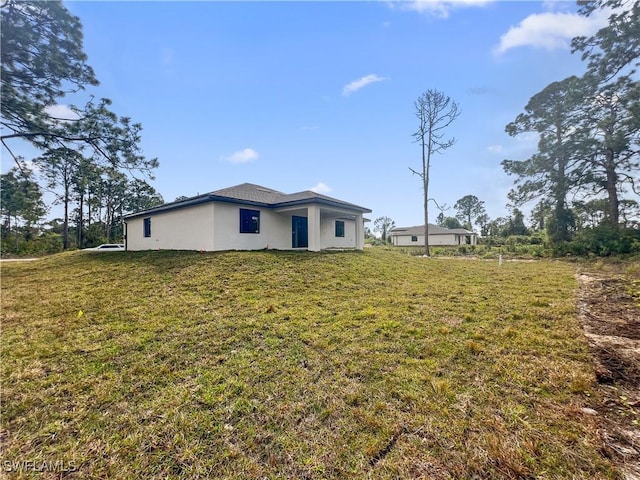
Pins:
x: 248, y: 217
x: 438, y: 236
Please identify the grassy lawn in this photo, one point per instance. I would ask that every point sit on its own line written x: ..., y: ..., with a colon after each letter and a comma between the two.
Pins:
x: 296, y: 365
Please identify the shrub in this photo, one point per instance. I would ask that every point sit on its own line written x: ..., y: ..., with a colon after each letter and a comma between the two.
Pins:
x: 518, y: 240
x: 45, y: 244
x: 602, y: 241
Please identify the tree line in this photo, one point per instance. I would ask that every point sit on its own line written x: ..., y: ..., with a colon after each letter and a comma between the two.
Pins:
x: 470, y: 214
x: 582, y: 181
x: 587, y: 165
x: 589, y: 133
x: 89, y: 158
x: 586, y: 169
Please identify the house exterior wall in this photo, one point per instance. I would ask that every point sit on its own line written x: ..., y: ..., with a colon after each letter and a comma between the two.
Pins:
x: 216, y: 226
x: 182, y: 229
x: 405, y: 241
x: 328, y: 237
x: 434, y: 240
x: 275, y: 229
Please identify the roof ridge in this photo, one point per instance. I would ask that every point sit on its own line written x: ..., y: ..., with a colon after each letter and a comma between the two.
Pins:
x: 436, y: 227
x: 258, y: 195
x: 249, y: 184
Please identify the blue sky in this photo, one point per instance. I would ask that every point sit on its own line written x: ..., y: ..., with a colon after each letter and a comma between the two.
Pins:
x: 319, y: 95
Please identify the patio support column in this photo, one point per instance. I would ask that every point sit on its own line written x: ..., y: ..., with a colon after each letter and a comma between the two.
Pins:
x: 359, y: 232
x: 313, y: 225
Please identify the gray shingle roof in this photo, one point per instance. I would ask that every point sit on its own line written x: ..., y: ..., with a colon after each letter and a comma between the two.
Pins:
x: 433, y: 230
x: 308, y: 195
x: 255, y: 195
x: 252, y: 193
x: 258, y: 193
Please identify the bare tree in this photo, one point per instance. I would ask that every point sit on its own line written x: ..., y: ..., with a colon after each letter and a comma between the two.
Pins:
x: 384, y: 225
x: 435, y: 112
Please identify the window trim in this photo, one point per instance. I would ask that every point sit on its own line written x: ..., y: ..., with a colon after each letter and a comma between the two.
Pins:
x: 414, y: 238
x: 146, y: 227
x: 253, y: 224
x: 339, y: 232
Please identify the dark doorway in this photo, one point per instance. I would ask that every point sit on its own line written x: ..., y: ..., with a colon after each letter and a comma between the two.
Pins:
x: 299, y: 232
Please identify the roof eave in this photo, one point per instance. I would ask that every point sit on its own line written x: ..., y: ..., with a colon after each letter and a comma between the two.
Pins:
x: 321, y: 201
x: 196, y: 201
x: 209, y: 197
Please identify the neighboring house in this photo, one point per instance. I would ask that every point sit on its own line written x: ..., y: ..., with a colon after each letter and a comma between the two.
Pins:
x: 438, y: 236
x: 248, y: 217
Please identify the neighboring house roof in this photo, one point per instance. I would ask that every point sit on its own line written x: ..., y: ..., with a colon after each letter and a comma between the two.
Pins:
x: 256, y: 195
x: 433, y: 230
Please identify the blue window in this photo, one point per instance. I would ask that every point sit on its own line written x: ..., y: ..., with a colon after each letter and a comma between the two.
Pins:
x: 249, y: 221
x: 147, y: 227
x: 339, y: 228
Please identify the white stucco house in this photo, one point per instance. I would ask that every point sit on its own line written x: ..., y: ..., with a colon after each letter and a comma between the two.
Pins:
x: 248, y: 217
x: 438, y: 236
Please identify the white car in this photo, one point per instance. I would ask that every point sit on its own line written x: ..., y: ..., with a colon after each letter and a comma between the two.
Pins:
x: 107, y: 247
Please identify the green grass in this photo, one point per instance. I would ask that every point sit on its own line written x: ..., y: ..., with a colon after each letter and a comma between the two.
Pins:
x: 296, y: 365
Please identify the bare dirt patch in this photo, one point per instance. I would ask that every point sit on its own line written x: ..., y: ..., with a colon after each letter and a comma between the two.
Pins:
x: 610, y: 311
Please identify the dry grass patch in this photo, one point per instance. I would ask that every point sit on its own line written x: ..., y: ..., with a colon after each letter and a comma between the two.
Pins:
x: 296, y: 365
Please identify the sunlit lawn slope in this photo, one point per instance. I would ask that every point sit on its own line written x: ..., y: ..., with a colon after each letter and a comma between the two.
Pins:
x: 296, y: 365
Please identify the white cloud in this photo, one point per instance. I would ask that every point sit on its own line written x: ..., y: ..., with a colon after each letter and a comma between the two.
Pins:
x: 525, y: 145
x: 321, y: 188
x: 528, y: 139
x: 495, y: 149
x: 550, y: 30
x: 360, y: 83
x: 61, y: 112
x: 30, y: 165
x: 242, y: 156
x: 437, y: 8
